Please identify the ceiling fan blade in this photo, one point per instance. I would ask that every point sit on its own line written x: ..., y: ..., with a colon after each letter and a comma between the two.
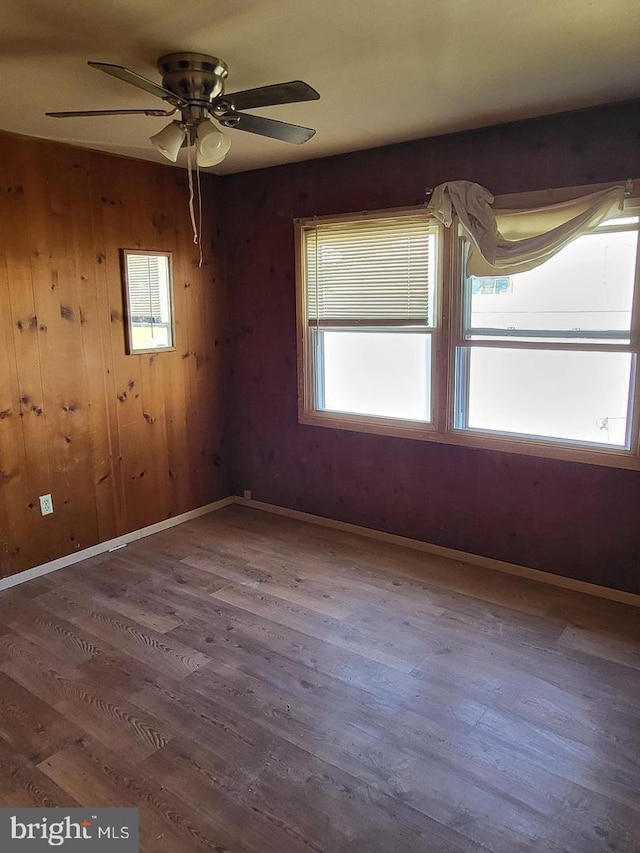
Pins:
x: 111, y: 113
x: 267, y: 127
x: 268, y: 96
x: 129, y: 76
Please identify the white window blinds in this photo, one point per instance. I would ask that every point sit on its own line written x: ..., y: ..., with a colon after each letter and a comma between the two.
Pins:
x: 373, y: 271
x: 144, y: 287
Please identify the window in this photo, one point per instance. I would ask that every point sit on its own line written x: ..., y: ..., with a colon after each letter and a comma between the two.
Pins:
x: 394, y: 339
x: 147, y: 301
x: 550, y: 356
x: 370, y: 309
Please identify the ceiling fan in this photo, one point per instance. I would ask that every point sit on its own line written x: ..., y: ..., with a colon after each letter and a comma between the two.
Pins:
x: 193, y: 84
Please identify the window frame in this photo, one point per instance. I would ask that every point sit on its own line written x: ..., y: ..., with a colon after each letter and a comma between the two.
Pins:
x: 307, y: 365
x: 448, y: 335
x: 128, y: 299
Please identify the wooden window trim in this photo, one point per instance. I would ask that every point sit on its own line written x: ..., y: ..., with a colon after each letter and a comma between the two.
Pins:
x: 448, y: 301
x: 130, y: 349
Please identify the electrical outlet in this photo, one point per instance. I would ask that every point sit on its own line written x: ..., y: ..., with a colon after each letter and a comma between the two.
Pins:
x: 46, y: 504
x: 247, y: 494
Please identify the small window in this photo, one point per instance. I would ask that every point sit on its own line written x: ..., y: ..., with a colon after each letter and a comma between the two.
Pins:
x: 148, y: 301
x: 369, y: 306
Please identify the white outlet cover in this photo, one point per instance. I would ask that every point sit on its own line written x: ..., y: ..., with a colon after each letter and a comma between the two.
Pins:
x: 46, y: 504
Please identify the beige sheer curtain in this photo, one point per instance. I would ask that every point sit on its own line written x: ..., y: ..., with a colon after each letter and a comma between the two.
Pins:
x: 512, y: 241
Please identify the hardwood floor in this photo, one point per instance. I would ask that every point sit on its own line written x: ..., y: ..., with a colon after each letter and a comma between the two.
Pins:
x: 252, y: 683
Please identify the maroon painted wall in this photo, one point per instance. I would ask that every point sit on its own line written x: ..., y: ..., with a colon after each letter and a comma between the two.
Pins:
x: 569, y: 518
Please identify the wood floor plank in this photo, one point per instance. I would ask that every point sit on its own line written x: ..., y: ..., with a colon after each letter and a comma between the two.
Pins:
x: 493, y: 674
x: 242, y: 709
x: 484, y: 756
x: 129, y: 600
x: 36, y: 668
x: 189, y: 772
x: 347, y: 738
x: 439, y: 575
x: 52, y: 632
x: 30, y: 726
x: 612, y: 774
x: 235, y: 739
x: 124, y: 634
x: 397, y: 652
x: 255, y: 684
x: 23, y: 785
x: 623, y: 650
x: 259, y: 648
x: 97, y: 776
x: 115, y: 723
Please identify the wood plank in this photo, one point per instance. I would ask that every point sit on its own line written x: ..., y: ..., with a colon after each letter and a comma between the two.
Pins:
x: 24, y: 351
x: 97, y: 776
x: 14, y: 489
x: 30, y: 726
x: 157, y: 651
x: 402, y: 653
x: 25, y: 786
x: 58, y: 214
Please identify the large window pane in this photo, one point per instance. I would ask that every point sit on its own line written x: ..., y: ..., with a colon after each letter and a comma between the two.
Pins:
x: 580, y: 396
x: 387, y: 374
x: 588, y: 286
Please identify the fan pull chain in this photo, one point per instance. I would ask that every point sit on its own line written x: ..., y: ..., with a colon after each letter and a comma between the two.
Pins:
x: 197, y: 227
x: 199, y: 211
x: 191, y: 212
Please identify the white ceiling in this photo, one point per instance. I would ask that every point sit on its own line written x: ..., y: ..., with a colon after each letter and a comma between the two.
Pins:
x: 387, y: 70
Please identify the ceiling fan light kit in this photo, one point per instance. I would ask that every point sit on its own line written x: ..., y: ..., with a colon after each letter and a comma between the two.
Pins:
x: 212, y: 146
x: 193, y: 83
x: 170, y: 140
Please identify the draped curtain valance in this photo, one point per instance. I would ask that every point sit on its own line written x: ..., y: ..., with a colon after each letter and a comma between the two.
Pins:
x: 513, y: 241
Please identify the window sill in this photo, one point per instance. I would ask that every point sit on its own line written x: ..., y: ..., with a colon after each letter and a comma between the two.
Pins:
x: 625, y: 459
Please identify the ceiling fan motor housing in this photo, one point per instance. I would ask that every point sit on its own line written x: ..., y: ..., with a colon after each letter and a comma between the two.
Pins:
x: 194, y: 77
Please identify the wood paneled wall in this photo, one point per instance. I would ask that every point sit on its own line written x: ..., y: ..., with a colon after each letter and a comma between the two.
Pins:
x: 573, y: 519
x: 119, y: 441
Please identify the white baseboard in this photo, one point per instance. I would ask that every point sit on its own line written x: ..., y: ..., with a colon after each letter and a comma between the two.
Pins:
x: 453, y: 554
x: 403, y: 541
x: 111, y: 544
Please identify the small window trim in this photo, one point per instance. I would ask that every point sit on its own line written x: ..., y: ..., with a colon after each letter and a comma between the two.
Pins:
x: 130, y: 348
x: 448, y: 323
